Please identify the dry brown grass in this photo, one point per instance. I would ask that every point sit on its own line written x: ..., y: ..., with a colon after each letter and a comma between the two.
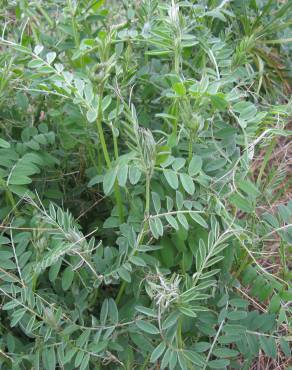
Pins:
x: 281, y: 156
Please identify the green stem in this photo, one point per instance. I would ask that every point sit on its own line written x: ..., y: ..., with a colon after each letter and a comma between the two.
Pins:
x: 99, y: 160
x: 177, y: 58
x: 190, y: 147
x: 34, y: 282
x: 115, y: 141
x: 107, y: 157
x: 214, y: 341
x: 245, y: 262
x: 116, y: 188
x: 74, y: 24
x: 100, y: 129
x: 172, y: 140
x: 147, y: 202
x: 119, y: 201
x: 266, y: 159
x: 102, y: 142
x: 179, y: 334
x: 145, y: 363
x: 146, y: 215
x: 9, y: 195
x: 124, y: 284
x: 284, y: 269
x: 35, y: 34
x: 91, y: 156
x: 244, y: 257
x: 121, y: 292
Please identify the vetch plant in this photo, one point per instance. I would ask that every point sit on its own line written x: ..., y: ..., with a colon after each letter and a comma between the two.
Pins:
x: 145, y: 219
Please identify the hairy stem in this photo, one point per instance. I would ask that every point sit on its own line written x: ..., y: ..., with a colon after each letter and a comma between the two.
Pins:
x: 107, y: 157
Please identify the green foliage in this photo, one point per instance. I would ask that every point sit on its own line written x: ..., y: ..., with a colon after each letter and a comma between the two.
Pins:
x: 135, y: 231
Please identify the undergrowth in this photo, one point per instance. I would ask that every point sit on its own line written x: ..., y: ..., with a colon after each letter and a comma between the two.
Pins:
x: 139, y: 229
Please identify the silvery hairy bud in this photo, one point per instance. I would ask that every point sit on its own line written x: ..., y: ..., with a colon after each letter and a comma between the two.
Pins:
x: 173, y: 13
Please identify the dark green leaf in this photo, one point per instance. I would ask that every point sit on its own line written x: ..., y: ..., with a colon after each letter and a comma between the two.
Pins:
x: 147, y: 327
x: 187, y: 183
x: 158, y: 351
x: 195, y: 165
x: 171, y: 178
x: 218, y: 364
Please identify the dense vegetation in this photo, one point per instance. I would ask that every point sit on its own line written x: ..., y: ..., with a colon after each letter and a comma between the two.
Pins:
x: 144, y: 203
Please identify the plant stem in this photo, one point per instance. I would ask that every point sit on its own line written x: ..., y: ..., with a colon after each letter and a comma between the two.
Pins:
x: 115, y: 140
x: 9, y: 195
x: 139, y: 242
x: 91, y: 156
x: 116, y: 150
x: 245, y: 262
x: 266, y: 159
x: 179, y: 334
x: 146, y: 215
x: 74, y: 24
x: 147, y: 203
x: 119, y: 201
x: 145, y: 363
x: 107, y: 157
x: 176, y: 62
x: 190, y: 147
x: 103, y: 143
x: 121, y: 292
x: 214, y: 341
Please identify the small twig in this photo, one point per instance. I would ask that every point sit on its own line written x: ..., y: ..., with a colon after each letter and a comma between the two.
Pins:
x: 5, y: 355
x: 88, y: 209
x: 26, y: 228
